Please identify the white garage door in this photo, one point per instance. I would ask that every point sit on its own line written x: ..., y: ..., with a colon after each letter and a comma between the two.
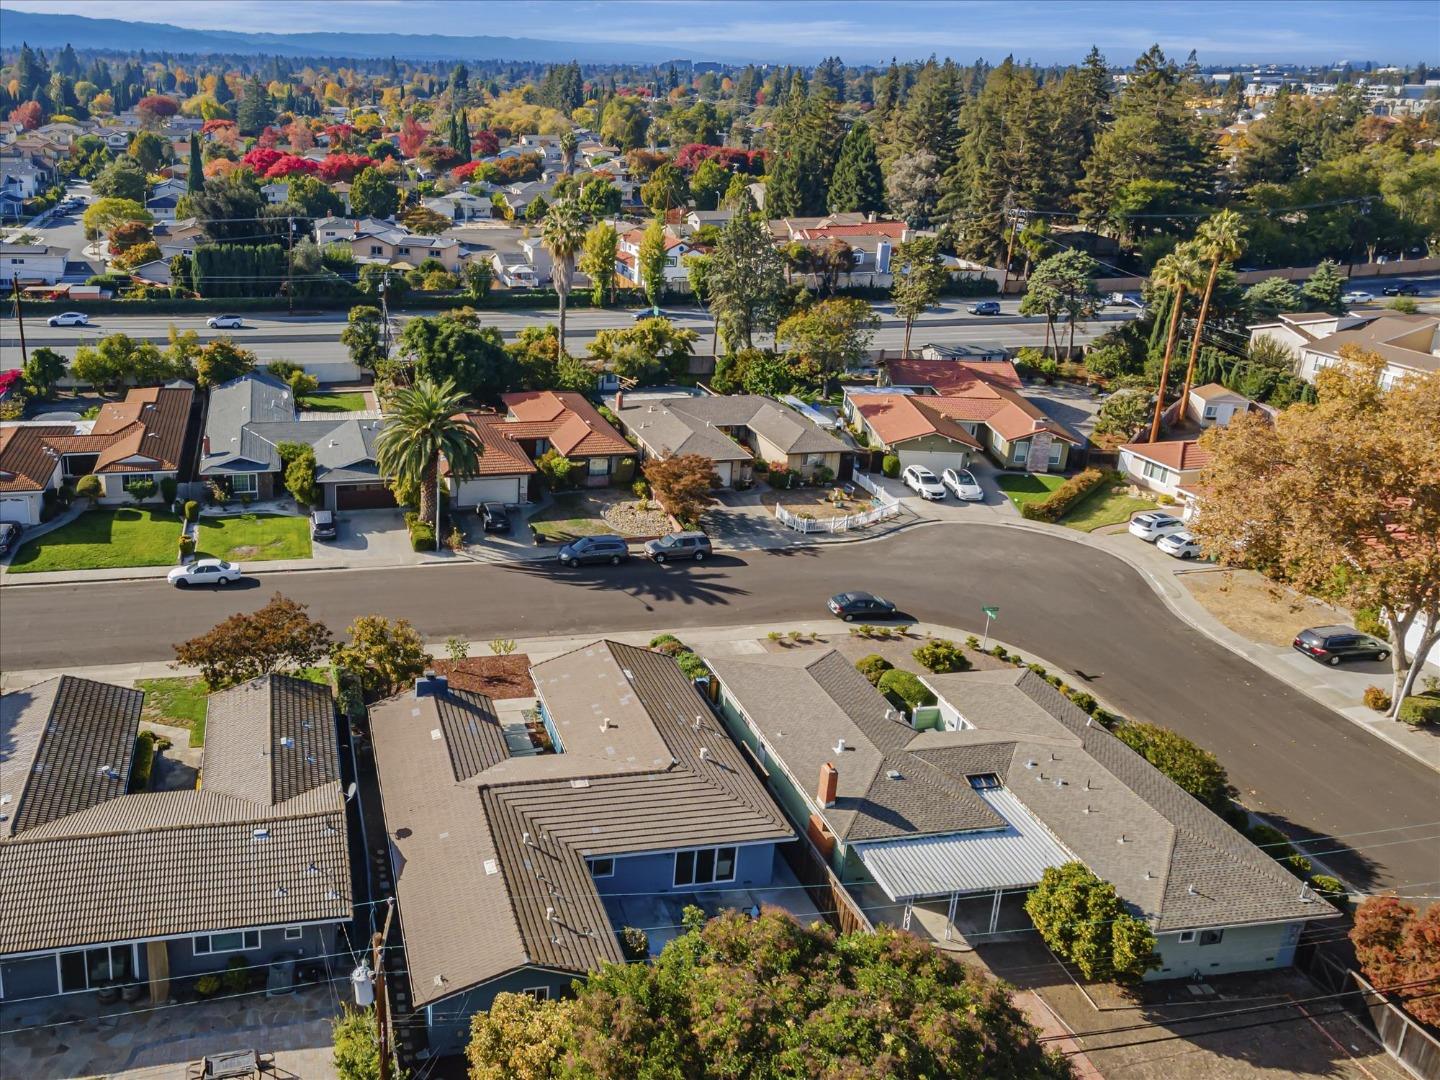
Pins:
x: 19, y: 511
x: 937, y: 461
x: 501, y: 489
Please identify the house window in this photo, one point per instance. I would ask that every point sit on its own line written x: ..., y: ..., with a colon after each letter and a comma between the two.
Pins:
x: 599, y: 466
x: 1211, y: 937
x: 230, y: 941
x: 1211, y: 412
x: 1153, y: 471
x: 539, y: 993
x: 294, y: 933
x: 985, y: 782
x: 814, y: 461
x: 244, y: 484
x: 131, y: 481
x: 1056, y: 449
x: 602, y: 867
x: 670, y: 261
x: 375, y: 249
x: 1185, y: 937
x: 1019, y: 453
x: 89, y: 969
x: 704, y: 867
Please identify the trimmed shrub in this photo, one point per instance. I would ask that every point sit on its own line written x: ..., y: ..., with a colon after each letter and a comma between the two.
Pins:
x: 691, y: 665
x: 192, y: 509
x: 904, y: 690
x: 1327, y: 886
x: 88, y: 486
x: 207, y: 986
x: 890, y: 466
x: 1420, y: 709
x: 1060, y: 501
x: 144, y: 762
x: 1083, y: 700
x: 635, y: 944
x: 167, y: 489
x: 640, y: 489
x: 941, y: 656
x: 187, y: 545
x: 1377, y: 699
x: 1298, y: 865
x: 422, y: 536
x: 873, y: 666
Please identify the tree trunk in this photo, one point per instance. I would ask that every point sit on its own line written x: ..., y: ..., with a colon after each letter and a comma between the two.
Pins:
x: 1070, y: 348
x: 905, y: 349
x: 429, y: 504
x: 1407, y: 673
x: 1195, y: 341
x: 1165, y: 366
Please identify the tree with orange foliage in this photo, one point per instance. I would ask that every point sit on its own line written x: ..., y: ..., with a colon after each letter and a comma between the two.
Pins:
x: 1397, y: 947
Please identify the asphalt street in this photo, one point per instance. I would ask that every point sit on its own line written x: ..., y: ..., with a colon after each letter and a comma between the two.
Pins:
x: 1294, y: 760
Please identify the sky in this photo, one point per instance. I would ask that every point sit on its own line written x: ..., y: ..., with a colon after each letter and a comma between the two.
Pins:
x: 859, y: 31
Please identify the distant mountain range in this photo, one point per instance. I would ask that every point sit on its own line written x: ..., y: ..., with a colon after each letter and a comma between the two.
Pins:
x: 55, y: 31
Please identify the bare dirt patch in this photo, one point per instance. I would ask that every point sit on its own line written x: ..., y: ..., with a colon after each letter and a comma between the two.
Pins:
x: 497, y: 677
x: 1257, y: 608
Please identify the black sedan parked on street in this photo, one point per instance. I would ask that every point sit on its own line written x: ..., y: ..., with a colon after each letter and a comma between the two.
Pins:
x: 860, y: 605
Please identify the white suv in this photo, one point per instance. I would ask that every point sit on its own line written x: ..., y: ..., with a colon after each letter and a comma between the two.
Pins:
x: 1153, y: 524
x: 69, y: 318
x: 923, y: 482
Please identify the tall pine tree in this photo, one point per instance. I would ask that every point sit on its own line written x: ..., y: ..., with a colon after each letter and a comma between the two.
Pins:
x: 856, y: 184
x: 195, y: 178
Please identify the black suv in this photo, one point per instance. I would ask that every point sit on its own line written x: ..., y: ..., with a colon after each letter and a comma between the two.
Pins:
x: 594, y: 549
x: 494, y: 517
x: 1401, y: 290
x: 1333, y: 644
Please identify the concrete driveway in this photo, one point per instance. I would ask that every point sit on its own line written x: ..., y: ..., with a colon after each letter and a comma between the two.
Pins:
x: 363, y: 536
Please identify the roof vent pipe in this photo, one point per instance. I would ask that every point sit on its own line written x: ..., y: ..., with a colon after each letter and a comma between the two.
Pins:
x: 704, y: 753
x: 839, y: 746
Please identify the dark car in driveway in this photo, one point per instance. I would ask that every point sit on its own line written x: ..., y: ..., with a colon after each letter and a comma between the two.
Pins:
x: 494, y: 517
x: 1334, y: 645
x: 9, y: 533
x: 322, y: 524
x: 860, y: 605
x: 595, y: 549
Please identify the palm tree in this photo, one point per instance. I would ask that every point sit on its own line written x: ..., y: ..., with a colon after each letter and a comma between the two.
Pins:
x: 1180, y: 271
x: 1219, y: 240
x: 563, y: 234
x: 568, y: 145
x: 424, y: 423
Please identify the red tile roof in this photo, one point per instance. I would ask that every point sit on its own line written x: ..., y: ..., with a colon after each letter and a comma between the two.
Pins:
x: 26, y: 463
x: 1182, y: 455
x: 898, y: 418
x: 500, y: 455
x: 571, y: 423
x: 951, y: 376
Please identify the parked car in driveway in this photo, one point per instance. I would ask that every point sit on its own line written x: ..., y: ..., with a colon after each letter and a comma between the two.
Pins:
x: 1179, y: 545
x: 1357, y: 297
x: 1401, y: 290
x: 860, y: 605
x: 963, y: 483
x: 985, y: 307
x: 1335, y: 644
x: 322, y: 524
x: 923, y: 482
x: 204, y: 572
x: 9, y: 533
x: 494, y: 517
x: 225, y: 322
x: 681, y: 545
x: 1153, y: 524
x: 595, y: 549
x: 69, y: 318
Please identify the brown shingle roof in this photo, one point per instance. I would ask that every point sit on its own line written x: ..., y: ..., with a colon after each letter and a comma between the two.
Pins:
x: 270, y: 739
x: 951, y: 376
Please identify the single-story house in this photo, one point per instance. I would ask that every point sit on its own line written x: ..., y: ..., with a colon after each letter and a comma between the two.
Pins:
x: 460, y: 206
x: 249, y: 417
x: 973, y: 353
x: 162, y: 207
x: 1164, y: 467
x: 32, y: 264
x: 154, y: 272
x: 130, y: 444
x: 944, y: 820
x: 383, y: 243
x: 1212, y: 405
x: 519, y: 828
x: 535, y: 422
x: 735, y: 431
x: 109, y: 886
x: 1409, y: 344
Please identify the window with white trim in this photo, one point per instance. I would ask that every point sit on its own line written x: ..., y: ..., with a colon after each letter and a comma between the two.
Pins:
x: 130, y: 481
x: 245, y: 484
x: 227, y: 942
x: 705, y: 866
x: 604, y: 867
x: 599, y: 466
x: 1185, y: 937
x: 539, y: 993
x: 1153, y: 471
x: 1211, y: 412
x: 1056, y: 449
x: 1211, y: 937
x: 89, y: 969
x: 1020, y: 452
x: 294, y: 933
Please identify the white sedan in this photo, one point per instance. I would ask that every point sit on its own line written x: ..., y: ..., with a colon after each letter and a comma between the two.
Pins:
x: 225, y: 322
x: 963, y: 483
x: 923, y: 482
x: 204, y: 572
x: 1179, y: 545
x: 1358, y: 297
x: 1153, y: 524
x: 69, y: 318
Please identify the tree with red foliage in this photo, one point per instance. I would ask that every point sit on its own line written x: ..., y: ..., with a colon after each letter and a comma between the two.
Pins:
x: 412, y: 136
x: 156, y: 108
x: 461, y: 174
x: 299, y: 136
x: 1395, y: 945
x: 211, y: 126
x: 485, y: 143
x: 340, y: 135
x: 260, y: 159
x: 269, y: 138
x: 338, y: 167
x: 289, y: 165
x: 28, y: 115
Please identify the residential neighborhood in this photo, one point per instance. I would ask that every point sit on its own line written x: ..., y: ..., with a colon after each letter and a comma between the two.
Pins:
x: 546, y: 550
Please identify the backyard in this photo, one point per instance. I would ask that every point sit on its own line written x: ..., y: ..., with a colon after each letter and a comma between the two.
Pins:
x: 340, y: 401
x: 596, y: 512
x: 180, y: 700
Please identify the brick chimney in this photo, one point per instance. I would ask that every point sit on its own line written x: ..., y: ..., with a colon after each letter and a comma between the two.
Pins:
x: 619, y: 400
x: 829, y: 784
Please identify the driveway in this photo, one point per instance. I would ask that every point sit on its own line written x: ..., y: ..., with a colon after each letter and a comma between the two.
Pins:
x: 743, y: 521
x: 362, y: 536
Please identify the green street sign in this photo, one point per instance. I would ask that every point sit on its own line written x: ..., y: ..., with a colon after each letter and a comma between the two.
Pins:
x: 991, y: 612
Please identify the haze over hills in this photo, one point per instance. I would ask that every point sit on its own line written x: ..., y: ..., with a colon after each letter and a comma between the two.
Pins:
x: 54, y: 31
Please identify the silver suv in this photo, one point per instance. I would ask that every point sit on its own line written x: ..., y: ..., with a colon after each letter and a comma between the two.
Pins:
x: 681, y: 545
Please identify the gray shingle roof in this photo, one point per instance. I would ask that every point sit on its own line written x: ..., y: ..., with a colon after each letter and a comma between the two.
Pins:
x: 483, y: 857
x: 780, y: 425
x: 270, y: 739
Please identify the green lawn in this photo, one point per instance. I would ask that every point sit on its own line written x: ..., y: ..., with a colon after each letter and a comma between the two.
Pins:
x: 1105, y: 507
x: 180, y: 700
x: 1024, y: 488
x: 346, y: 401
x: 103, y: 538
x: 566, y: 518
x: 254, y: 536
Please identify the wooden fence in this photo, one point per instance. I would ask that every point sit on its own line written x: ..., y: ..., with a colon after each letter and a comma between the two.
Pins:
x: 825, y: 890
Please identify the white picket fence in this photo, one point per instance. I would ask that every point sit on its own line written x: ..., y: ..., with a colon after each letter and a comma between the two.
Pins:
x: 887, y: 507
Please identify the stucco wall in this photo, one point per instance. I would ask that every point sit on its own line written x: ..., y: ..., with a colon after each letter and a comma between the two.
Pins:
x: 1241, y: 948
x: 448, y: 1021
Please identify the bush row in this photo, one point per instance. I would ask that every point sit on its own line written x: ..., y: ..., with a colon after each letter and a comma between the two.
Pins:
x: 1062, y: 499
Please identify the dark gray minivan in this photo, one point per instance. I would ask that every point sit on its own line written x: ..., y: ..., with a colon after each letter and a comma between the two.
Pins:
x: 594, y: 549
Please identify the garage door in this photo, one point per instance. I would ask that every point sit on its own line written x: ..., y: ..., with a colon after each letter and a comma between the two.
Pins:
x: 363, y: 497
x: 16, y: 510
x: 937, y: 461
x: 501, y: 489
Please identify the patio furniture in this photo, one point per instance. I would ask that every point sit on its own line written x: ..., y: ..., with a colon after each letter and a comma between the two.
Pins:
x: 231, y: 1065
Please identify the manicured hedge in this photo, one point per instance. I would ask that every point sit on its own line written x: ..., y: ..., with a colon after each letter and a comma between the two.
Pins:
x: 1420, y: 709
x: 873, y: 667
x: 1060, y: 501
x: 904, y: 690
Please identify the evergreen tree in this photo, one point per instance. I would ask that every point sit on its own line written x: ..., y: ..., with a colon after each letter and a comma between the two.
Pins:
x: 929, y: 119
x: 746, y: 280
x: 195, y: 178
x: 255, y: 111
x: 223, y: 93
x: 856, y: 184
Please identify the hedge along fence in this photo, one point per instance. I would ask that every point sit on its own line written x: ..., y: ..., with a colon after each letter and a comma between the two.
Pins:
x: 1064, y: 498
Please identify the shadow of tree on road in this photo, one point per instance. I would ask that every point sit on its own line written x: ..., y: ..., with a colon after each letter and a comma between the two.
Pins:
x: 648, y: 583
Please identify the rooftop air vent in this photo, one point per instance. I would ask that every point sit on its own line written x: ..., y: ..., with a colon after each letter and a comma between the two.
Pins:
x: 287, y: 742
x: 1123, y: 839
x: 704, y: 753
x: 1031, y: 763
x: 1193, y: 891
x: 893, y: 774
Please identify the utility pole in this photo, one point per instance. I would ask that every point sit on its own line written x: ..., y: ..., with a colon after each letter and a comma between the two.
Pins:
x: 1009, y: 251
x: 19, y: 318
x: 290, y: 263
x: 382, y: 1018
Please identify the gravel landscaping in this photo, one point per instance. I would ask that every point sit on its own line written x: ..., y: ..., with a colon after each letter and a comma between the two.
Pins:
x: 596, y: 512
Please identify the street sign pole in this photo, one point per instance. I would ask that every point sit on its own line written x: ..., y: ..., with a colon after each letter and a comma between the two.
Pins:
x: 991, y: 613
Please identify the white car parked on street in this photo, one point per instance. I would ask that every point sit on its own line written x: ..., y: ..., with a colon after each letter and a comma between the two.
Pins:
x: 225, y: 322
x: 923, y: 482
x: 963, y: 483
x: 1358, y: 297
x: 69, y: 318
x: 204, y: 572
x: 1153, y: 524
x: 1179, y: 545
